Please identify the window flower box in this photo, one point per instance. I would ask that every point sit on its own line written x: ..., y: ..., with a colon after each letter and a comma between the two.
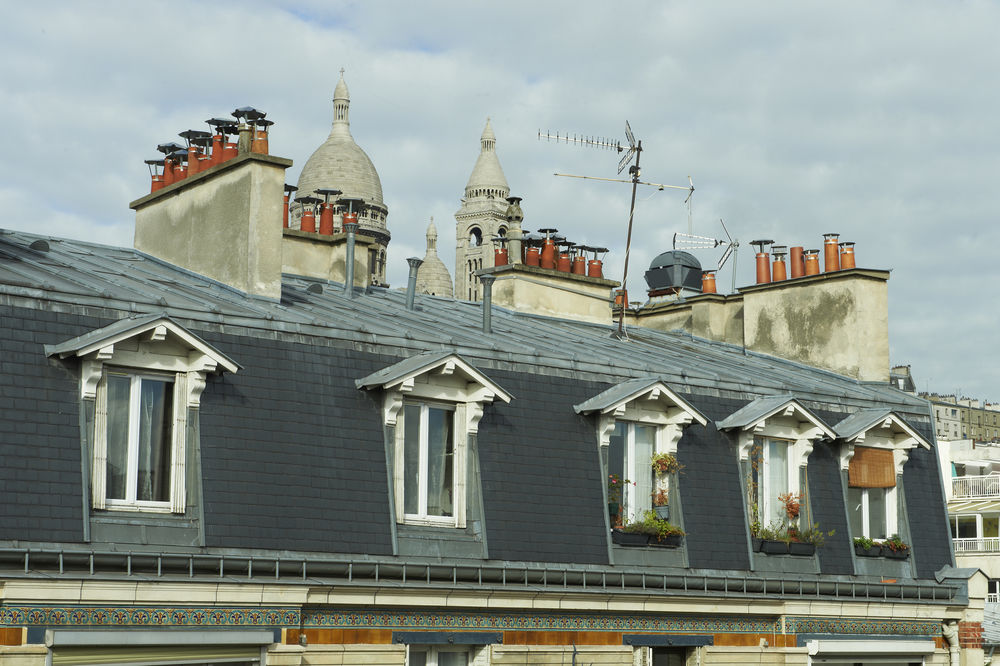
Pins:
x: 668, y: 541
x: 799, y: 548
x: 770, y: 547
x: 895, y: 554
x: 629, y: 538
x: 873, y: 551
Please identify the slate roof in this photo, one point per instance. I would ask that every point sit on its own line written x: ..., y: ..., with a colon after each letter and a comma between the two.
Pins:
x: 126, y: 280
x: 294, y: 457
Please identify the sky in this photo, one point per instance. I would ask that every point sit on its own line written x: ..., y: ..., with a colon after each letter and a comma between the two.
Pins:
x: 877, y: 121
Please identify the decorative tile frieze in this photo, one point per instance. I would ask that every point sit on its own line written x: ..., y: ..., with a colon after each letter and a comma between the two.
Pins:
x: 362, y: 619
x: 142, y: 616
x: 861, y: 626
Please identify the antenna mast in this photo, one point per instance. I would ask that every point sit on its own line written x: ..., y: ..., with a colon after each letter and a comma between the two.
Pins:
x: 634, y: 149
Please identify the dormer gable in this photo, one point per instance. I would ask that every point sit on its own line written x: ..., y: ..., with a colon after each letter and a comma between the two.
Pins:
x: 776, y: 416
x: 152, y: 342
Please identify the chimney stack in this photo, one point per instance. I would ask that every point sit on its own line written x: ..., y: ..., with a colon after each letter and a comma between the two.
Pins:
x: 411, y: 282
x: 487, y: 282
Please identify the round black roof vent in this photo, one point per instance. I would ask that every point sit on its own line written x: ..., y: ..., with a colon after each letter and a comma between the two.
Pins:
x: 674, y: 269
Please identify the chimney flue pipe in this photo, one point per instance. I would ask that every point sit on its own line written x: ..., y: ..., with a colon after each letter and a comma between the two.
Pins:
x: 350, y: 228
x: 411, y: 282
x: 797, y: 262
x: 487, y: 282
x: 831, y: 254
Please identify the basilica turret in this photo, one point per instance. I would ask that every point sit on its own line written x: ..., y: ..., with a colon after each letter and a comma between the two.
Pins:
x: 482, y: 216
x: 433, y: 277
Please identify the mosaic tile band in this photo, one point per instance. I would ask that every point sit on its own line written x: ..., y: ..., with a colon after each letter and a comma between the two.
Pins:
x: 366, y: 619
x: 19, y: 616
x: 838, y: 625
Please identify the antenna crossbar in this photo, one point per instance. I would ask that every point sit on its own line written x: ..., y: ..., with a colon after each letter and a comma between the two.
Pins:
x: 596, y: 142
x: 629, y: 181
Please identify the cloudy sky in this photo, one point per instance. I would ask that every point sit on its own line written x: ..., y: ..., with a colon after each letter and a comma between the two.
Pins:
x: 874, y: 120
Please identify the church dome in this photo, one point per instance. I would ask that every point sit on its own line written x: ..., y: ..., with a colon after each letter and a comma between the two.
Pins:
x: 487, y: 177
x: 340, y: 163
x: 433, y: 277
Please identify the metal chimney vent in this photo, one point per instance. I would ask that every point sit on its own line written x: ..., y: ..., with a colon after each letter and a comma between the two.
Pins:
x: 674, y: 269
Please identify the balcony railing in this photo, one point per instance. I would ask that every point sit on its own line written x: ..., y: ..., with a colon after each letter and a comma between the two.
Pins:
x: 976, y: 486
x: 984, y: 545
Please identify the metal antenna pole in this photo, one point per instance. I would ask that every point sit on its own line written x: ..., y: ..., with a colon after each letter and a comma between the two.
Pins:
x: 628, y: 239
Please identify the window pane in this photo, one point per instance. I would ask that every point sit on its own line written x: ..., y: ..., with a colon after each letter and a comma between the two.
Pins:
x: 418, y: 657
x: 411, y: 458
x: 117, y: 467
x: 440, y: 450
x: 967, y: 527
x: 155, y: 420
x: 453, y: 659
x: 876, y: 513
x: 991, y: 525
x: 777, y: 479
x: 855, y: 508
x: 642, y: 471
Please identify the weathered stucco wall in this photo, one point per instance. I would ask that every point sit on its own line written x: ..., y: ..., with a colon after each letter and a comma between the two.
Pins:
x: 552, y: 293
x: 224, y: 223
x: 837, y: 321
x: 324, y: 257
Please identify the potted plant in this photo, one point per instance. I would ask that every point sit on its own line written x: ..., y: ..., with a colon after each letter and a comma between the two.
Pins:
x: 649, y: 531
x: 665, y: 463
x: 616, y: 488
x: 809, y: 540
x: 755, y: 539
x: 661, y: 504
x: 895, y: 548
x: 774, y: 539
x: 865, y: 547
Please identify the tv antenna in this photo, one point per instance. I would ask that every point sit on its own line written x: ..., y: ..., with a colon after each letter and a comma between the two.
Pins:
x: 692, y: 242
x: 631, y: 154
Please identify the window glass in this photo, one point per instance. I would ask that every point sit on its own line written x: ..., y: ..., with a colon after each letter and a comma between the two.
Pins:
x: 855, y: 510
x: 119, y: 388
x: 776, y: 473
x: 876, y: 513
x: 440, y: 456
x: 991, y: 526
x: 967, y: 527
x: 411, y: 458
x: 153, y: 445
x: 453, y: 659
x: 418, y: 657
x: 642, y: 474
x: 139, y: 438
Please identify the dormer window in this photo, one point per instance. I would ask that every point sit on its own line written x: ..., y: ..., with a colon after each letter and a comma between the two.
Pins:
x: 636, y: 420
x: 432, y: 404
x: 142, y: 376
x: 775, y: 436
x: 877, y: 444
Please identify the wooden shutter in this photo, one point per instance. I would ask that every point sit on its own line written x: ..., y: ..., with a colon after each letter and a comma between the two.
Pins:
x: 871, y: 468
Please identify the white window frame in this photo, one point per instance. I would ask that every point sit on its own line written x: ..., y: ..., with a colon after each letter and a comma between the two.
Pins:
x: 891, y: 516
x: 767, y: 497
x: 458, y: 462
x: 153, y: 346
x: 178, y: 419
x: 632, y: 467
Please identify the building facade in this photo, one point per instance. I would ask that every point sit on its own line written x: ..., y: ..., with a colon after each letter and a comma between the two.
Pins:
x: 214, y: 469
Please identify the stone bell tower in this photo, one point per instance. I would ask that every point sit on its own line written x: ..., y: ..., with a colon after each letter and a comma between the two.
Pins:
x: 482, y: 216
